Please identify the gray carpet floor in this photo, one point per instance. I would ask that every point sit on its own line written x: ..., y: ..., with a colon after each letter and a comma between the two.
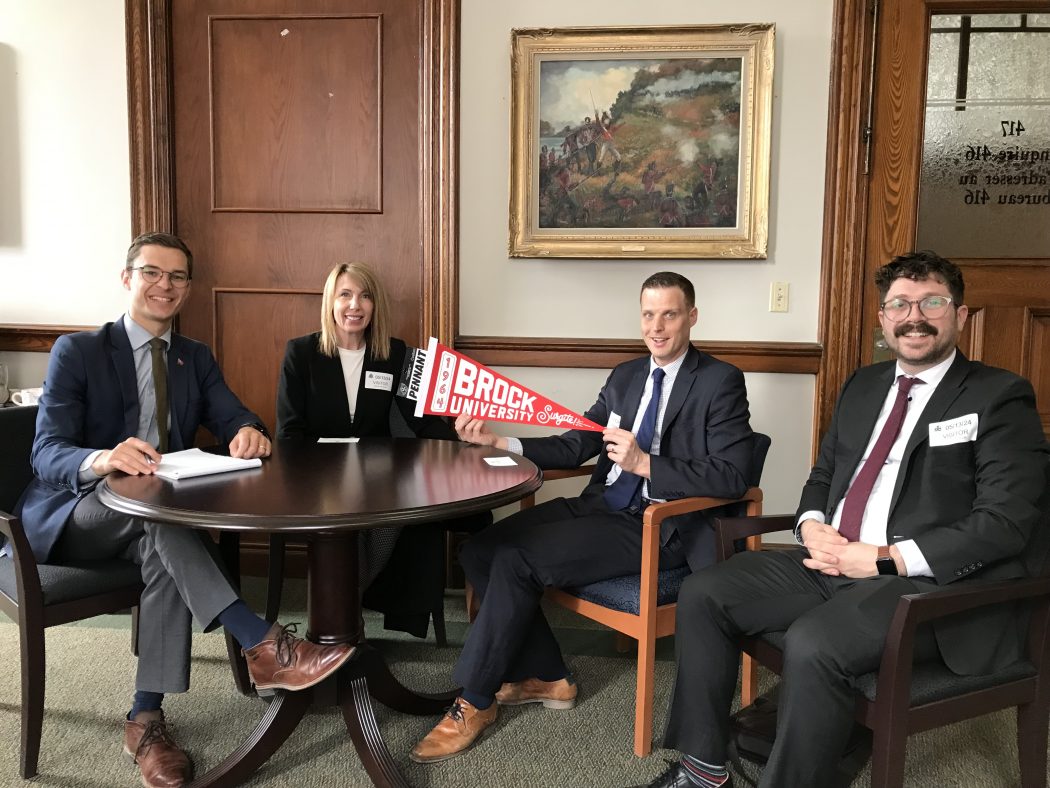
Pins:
x: 89, y: 681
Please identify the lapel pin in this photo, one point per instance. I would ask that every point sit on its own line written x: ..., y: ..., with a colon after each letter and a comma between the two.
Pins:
x: 179, y: 361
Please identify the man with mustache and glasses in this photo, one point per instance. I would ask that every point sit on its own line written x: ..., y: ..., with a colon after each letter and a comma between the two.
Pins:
x: 934, y: 471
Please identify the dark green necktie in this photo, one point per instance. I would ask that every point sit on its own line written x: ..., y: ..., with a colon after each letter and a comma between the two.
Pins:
x: 160, y: 391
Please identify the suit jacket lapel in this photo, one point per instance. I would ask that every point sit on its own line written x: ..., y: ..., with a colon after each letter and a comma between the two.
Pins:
x: 124, y: 363
x: 861, y: 428
x: 683, y: 382
x: 330, y: 379
x: 947, y: 392
x: 632, y: 397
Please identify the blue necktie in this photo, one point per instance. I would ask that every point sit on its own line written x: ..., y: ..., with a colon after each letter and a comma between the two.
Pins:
x: 626, y: 491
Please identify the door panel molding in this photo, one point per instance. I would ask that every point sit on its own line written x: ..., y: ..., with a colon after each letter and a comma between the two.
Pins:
x: 845, y: 208
x: 148, y: 40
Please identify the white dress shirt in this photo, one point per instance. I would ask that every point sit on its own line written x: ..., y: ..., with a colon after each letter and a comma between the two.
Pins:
x: 670, y: 373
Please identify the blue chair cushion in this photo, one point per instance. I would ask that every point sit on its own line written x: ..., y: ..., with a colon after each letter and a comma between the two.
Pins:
x: 933, y: 681
x: 67, y: 583
x: 623, y: 593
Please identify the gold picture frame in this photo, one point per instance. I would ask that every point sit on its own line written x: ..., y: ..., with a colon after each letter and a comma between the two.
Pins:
x: 641, y: 142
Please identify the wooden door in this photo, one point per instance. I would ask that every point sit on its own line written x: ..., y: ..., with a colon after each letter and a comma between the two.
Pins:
x: 1007, y: 276
x: 301, y: 136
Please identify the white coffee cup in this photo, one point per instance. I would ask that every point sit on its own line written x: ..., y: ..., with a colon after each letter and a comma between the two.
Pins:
x: 26, y: 396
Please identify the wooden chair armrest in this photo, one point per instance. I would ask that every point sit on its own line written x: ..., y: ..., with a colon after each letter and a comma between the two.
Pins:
x: 895, y: 668
x: 6, y: 525
x: 567, y: 473
x: 730, y: 530
x: 654, y: 516
x: 656, y: 513
x: 938, y: 604
x: 11, y: 527
x: 27, y: 576
x: 554, y: 475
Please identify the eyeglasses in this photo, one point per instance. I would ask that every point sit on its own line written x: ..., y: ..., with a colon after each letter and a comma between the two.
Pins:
x: 153, y: 275
x: 898, y: 309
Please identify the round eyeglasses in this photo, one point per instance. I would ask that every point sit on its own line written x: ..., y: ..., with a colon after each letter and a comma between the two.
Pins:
x: 898, y: 309
x: 154, y: 275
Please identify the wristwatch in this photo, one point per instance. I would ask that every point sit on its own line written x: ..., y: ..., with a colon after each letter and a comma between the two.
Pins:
x: 255, y: 425
x: 884, y: 562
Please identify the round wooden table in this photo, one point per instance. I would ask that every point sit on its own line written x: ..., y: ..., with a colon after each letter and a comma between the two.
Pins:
x: 325, y: 493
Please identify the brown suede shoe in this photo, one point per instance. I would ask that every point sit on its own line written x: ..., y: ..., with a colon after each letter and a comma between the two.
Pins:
x: 560, y: 694
x: 148, y: 742
x: 461, y: 726
x: 283, y: 661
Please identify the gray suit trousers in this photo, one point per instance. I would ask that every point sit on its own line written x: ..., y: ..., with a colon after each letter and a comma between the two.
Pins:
x: 183, y: 578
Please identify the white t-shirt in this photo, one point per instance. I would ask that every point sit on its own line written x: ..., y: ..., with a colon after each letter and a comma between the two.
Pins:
x: 353, y: 362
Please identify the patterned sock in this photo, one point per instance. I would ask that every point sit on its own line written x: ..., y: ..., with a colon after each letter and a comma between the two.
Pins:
x: 145, y: 701
x: 706, y: 775
x: 478, y: 700
x: 246, y: 627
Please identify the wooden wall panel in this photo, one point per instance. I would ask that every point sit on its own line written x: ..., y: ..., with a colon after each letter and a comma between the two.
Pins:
x: 1036, y: 363
x: 250, y: 343
x: 292, y: 131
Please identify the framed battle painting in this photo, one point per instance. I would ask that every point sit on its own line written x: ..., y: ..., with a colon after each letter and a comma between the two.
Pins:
x: 641, y: 142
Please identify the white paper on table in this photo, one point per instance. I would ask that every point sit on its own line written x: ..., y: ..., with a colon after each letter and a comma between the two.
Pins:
x: 194, y: 462
x: 496, y: 461
x: 338, y: 440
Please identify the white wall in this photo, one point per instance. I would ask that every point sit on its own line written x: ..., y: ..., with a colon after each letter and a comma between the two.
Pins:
x: 65, y: 192
x: 500, y: 296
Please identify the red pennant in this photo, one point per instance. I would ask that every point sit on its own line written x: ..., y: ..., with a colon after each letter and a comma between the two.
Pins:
x: 453, y: 384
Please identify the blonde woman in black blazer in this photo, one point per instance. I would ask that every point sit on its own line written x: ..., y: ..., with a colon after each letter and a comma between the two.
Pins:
x: 340, y: 382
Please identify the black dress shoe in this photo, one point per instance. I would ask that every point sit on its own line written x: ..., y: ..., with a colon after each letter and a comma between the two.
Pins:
x: 675, y: 776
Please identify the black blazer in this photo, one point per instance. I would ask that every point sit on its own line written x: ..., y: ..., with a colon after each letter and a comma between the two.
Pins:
x: 311, y: 397
x: 978, y: 510
x: 705, y: 443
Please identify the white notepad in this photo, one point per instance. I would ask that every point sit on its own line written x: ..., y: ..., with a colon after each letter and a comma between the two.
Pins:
x: 194, y: 462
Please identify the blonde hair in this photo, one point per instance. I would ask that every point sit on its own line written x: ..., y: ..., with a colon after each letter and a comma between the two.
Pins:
x: 377, y: 334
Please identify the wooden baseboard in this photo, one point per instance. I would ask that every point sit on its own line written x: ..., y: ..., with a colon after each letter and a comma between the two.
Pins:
x: 32, y: 338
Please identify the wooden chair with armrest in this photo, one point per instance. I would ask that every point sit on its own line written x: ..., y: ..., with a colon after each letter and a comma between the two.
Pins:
x: 642, y: 606
x: 901, y: 698
x: 37, y: 596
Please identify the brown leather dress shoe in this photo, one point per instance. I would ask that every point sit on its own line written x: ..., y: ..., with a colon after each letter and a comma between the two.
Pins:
x: 284, y: 661
x: 461, y: 726
x: 560, y: 694
x: 148, y: 742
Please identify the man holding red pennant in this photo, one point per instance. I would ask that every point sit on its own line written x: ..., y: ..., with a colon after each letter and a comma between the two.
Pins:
x: 672, y: 424
x: 455, y: 385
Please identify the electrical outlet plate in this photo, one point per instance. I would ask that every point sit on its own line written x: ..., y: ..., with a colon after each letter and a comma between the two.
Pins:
x: 778, y: 297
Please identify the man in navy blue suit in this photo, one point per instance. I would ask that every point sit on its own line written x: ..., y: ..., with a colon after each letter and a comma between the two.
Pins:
x: 114, y: 400
x: 677, y: 426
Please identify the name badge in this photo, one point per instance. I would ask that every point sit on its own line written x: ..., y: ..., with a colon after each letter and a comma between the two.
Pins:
x: 614, y: 420
x: 960, y: 430
x: 383, y: 381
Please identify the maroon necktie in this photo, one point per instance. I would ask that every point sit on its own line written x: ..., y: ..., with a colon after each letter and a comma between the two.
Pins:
x: 857, y: 497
